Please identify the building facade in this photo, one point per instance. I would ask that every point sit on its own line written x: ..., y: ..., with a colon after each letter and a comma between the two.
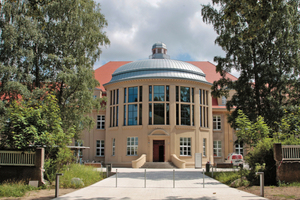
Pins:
x: 162, y: 109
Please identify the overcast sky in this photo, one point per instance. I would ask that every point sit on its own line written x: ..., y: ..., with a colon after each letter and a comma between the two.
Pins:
x: 135, y: 25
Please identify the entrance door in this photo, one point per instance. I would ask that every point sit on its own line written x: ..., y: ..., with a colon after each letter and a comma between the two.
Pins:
x: 158, y: 150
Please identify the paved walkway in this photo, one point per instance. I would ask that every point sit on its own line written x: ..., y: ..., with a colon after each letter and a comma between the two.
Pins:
x: 159, y: 185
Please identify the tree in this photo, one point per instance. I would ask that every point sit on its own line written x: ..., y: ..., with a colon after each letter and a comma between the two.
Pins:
x: 34, y: 123
x: 250, y: 132
x: 261, y: 41
x: 50, y: 46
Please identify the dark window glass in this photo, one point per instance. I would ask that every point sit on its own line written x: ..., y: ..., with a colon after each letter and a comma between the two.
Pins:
x: 192, y: 95
x: 117, y: 116
x: 114, y: 97
x: 193, y: 123
x: 184, y: 94
x: 150, y: 93
x: 204, y: 117
x: 110, y: 124
x: 203, y: 98
x: 159, y: 113
x: 141, y: 93
x: 200, y: 116
x: 140, y: 114
x: 177, y: 114
x: 167, y: 93
x: 159, y: 93
x: 117, y: 96
x: 111, y: 97
x: 200, y: 96
x: 185, y: 115
x: 114, y: 116
x: 177, y: 93
x: 132, y: 114
x: 167, y: 114
x: 132, y: 94
x: 125, y: 95
x: 150, y: 114
x: 125, y: 115
x: 206, y: 97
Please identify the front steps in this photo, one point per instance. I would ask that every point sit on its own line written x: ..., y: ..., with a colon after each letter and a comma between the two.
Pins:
x: 158, y: 165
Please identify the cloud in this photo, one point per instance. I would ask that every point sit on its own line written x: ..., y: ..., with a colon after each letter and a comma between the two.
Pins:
x: 134, y: 26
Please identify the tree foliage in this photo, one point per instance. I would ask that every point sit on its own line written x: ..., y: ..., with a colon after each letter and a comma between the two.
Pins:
x: 50, y: 46
x: 261, y: 41
x: 34, y: 123
x: 250, y: 132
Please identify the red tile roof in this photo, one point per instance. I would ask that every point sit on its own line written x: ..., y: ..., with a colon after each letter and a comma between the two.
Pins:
x: 103, y: 73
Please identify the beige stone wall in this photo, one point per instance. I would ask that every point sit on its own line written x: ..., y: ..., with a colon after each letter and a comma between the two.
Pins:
x: 146, y: 133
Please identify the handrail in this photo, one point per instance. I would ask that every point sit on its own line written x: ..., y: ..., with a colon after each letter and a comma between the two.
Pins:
x: 17, y: 158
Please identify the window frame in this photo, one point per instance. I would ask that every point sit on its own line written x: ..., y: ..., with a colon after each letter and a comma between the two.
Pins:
x: 130, y: 145
x: 100, y: 125
x: 217, y: 147
x: 217, y: 122
x: 101, y: 148
x: 185, y: 146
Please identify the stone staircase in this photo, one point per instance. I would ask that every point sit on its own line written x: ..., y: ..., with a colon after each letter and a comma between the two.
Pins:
x: 159, y: 165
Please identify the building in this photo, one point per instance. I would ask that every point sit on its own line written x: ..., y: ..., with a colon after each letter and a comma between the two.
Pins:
x: 159, y: 108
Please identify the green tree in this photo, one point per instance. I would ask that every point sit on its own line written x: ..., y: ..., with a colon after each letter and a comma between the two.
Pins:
x: 34, y: 123
x: 261, y: 41
x: 250, y: 132
x: 50, y: 46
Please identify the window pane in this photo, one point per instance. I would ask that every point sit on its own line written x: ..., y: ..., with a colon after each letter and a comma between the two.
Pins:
x: 185, y: 115
x: 159, y: 93
x: 159, y: 112
x: 184, y: 94
x: 167, y: 114
x: 132, y: 94
x: 150, y: 114
x: 150, y: 93
x: 141, y: 93
x: 125, y: 95
x: 167, y: 93
x: 132, y: 114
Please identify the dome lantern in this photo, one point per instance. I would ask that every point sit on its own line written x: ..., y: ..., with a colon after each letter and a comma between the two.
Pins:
x: 159, y: 51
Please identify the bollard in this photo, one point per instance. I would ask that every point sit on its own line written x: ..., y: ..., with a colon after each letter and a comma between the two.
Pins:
x: 57, y: 184
x: 212, y: 171
x: 116, y: 177
x: 173, y: 178
x: 145, y: 179
x: 262, y: 183
x: 203, y: 178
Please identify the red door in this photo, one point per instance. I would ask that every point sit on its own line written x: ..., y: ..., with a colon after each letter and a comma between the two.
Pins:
x: 158, y: 150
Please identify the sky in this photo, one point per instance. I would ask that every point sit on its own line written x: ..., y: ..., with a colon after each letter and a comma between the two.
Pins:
x: 135, y: 25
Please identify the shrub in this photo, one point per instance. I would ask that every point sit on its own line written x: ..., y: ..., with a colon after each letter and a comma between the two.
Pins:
x: 87, y: 174
x: 262, y: 155
x: 17, y: 189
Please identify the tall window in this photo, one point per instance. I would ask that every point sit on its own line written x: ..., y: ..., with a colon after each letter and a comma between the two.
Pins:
x: 185, y: 106
x: 159, y: 109
x: 113, y: 146
x: 100, y: 121
x: 185, y: 146
x: 239, y: 148
x: 217, y: 122
x: 217, y: 148
x: 132, y: 109
x: 100, y: 148
x: 114, y: 108
x: 132, y: 146
x: 203, y: 101
x: 204, y: 146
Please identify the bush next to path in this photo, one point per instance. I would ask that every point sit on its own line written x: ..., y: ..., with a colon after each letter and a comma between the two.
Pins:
x: 17, y: 189
x: 88, y: 175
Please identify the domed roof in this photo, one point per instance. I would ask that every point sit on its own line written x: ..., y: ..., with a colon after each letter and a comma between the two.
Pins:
x: 159, y: 45
x: 158, y: 68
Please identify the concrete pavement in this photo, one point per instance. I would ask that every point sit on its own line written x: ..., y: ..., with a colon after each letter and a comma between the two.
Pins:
x: 159, y: 185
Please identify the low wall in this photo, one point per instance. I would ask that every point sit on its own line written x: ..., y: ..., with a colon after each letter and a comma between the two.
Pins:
x: 25, y: 173
x: 139, y: 162
x: 97, y: 165
x: 287, y: 171
x: 177, y: 162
